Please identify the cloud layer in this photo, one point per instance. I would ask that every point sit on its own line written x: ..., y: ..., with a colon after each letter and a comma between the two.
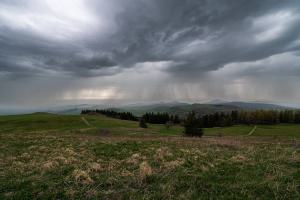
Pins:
x: 149, y: 50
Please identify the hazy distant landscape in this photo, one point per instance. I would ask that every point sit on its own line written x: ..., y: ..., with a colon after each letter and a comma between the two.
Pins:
x: 140, y: 109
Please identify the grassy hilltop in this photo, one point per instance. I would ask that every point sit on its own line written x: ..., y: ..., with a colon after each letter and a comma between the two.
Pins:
x: 46, y: 156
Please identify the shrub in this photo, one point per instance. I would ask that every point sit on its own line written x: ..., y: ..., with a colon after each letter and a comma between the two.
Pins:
x: 169, y: 124
x: 142, y: 123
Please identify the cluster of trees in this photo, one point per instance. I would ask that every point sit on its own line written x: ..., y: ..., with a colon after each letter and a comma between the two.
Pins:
x: 113, y: 114
x: 216, y: 120
x: 193, y: 123
x: 250, y: 117
x: 161, y: 118
x: 267, y: 117
x: 153, y: 118
x: 290, y: 116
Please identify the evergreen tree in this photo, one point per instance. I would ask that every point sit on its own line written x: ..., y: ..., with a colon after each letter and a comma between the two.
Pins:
x: 297, y: 117
x: 192, y: 125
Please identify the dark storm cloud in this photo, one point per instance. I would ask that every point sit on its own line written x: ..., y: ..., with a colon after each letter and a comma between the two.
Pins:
x: 197, y: 36
x: 131, y: 50
x: 202, y: 35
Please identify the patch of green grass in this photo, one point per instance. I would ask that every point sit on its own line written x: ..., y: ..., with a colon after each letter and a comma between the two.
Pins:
x: 283, y: 130
x: 163, y: 130
x: 39, y: 122
x: 46, y: 122
x: 101, y: 121
x: 278, y: 130
x: 228, y: 131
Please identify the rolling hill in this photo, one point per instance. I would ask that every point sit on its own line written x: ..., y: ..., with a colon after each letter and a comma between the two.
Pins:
x: 177, y: 108
x: 182, y: 108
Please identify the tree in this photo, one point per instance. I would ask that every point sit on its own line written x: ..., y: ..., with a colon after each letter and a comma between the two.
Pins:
x: 142, y: 123
x: 234, y: 116
x: 287, y: 116
x: 176, y: 119
x: 157, y: 118
x: 297, y: 117
x: 192, y: 125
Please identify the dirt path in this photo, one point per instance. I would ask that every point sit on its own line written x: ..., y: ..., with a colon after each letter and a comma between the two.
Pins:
x: 252, y: 131
x: 85, y: 121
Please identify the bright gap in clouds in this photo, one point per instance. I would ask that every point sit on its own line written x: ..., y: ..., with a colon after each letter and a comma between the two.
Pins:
x: 74, y: 10
x: 93, y: 94
x: 272, y: 26
x: 51, y: 19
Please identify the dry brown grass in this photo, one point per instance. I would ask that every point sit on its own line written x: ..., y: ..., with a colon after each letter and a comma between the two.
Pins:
x: 113, y: 164
x: 173, y: 164
x: 49, y: 165
x: 82, y: 177
x: 126, y: 173
x: 162, y: 153
x: 134, y: 159
x: 70, y: 193
x: 239, y: 158
x: 91, y: 193
x: 70, y: 152
x: 144, y: 170
x: 95, y: 167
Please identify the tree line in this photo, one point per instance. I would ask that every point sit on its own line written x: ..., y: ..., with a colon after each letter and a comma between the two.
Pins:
x: 161, y: 118
x: 193, y: 123
x: 112, y: 114
x: 152, y: 118
x: 249, y: 117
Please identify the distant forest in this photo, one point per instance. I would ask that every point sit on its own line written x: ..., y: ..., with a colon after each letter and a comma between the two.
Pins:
x: 153, y: 118
x: 218, y: 119
x: 112, y: 114
x: 249, y: 117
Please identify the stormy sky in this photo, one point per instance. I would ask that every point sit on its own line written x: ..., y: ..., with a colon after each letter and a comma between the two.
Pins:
x: 66, y: 51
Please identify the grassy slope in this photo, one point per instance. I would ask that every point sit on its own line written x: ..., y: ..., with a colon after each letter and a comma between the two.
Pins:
x: 46, y: 157
x: 290, y: 130
x: 46, y: 122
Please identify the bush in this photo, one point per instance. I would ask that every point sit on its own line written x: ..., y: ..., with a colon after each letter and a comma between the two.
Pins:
x: 192, y: 125
x: 142, y: 123
x: 169, y: 124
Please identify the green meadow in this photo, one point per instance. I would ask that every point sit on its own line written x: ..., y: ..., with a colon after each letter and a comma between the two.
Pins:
x: 47, y: 156
x: 279, y: 130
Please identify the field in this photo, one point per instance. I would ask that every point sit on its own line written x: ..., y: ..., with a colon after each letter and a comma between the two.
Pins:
x: 281, y: 130
x: 44, y: 156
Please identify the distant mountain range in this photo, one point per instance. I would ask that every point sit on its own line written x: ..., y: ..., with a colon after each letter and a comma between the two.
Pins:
x: 206, y: 108
x: 256, y: 105
x: 171, y: 107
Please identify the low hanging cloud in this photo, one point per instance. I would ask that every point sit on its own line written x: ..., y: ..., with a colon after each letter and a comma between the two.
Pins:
x: 193, y: 49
